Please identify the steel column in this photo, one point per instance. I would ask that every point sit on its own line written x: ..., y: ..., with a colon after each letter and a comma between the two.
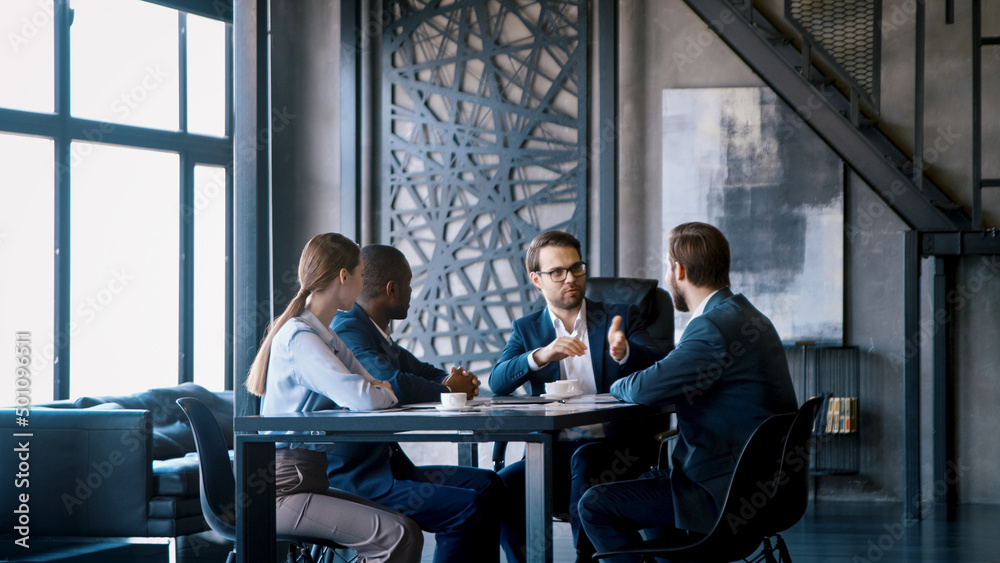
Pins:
x: 943, y: 393
x: 911, y: 375
x: 607, y: 135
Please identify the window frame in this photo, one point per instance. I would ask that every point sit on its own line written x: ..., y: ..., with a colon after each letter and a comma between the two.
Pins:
x: 192, y: 150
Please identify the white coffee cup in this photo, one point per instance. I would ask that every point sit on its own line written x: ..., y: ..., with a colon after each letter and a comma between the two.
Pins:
x: 561, y: 388
x: 453, y: 400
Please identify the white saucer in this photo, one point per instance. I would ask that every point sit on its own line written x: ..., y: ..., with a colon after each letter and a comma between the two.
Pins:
x: 559, y: 397
x: 446, y: 408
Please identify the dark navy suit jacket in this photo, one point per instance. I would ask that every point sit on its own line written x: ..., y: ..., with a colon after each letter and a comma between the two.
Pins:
x: 535, y: 331
x: 367, y: 469
x: 412, y: 381
x: 727, y: 374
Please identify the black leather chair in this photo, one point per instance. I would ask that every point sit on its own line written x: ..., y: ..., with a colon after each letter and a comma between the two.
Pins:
x: 657, y: 312
x: 218, y: 485
x: 654, y: 303
x: 772, y: 475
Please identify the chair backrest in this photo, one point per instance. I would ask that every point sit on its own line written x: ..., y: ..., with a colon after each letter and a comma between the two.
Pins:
x: 769, y: 490
x: 218, y: 485
x: 740, y: 527
x: 654, y: 303
x: 792, y: 479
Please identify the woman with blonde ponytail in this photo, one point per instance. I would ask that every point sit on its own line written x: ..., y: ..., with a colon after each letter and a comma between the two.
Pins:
x: 302, y: 366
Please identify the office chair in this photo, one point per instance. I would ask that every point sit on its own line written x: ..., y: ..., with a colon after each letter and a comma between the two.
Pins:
x: 654, y: 303
x: 657, y: 311
x: 218, y: 486
x: 773, y: 473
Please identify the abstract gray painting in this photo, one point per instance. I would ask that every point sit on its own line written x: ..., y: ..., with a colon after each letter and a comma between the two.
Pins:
x: 741, y: 159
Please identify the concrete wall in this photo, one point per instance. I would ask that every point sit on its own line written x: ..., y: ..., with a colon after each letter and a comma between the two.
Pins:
x: 305, y: 128
x: 665, y: 45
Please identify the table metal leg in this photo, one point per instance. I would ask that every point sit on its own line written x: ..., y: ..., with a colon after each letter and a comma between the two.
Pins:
x: 255, y: 511
x: 538, y: 499
x: 468, y: 454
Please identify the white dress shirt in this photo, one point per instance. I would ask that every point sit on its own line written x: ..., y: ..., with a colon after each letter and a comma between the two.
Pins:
x: 310, y: 369
x: 572, y: 367
x: 580, y: 368
x: 701, y: 306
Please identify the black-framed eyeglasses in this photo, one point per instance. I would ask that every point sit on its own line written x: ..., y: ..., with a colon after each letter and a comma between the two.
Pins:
x: 559, y: 274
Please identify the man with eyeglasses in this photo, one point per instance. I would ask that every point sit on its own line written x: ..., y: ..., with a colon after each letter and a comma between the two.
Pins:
x: 573, y: 338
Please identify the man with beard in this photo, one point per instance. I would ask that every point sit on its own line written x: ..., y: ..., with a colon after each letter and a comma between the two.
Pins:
x: 727, y: 374
x: 573, y: 338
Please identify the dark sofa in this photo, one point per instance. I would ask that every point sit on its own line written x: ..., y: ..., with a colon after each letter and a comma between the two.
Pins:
x: 112, y: 466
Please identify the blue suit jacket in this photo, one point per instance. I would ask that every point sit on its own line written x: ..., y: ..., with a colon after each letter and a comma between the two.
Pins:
x: 412, y: 381
x: 726, y: 376
x: 367, y: 469
x: 535, y: 330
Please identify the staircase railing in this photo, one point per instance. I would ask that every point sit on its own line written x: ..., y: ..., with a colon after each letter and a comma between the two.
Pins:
x: 837, y: 118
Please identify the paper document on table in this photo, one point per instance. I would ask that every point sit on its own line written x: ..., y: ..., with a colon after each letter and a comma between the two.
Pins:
x: 379, y: 411
x: 600, y: 398
x: 473, y: 403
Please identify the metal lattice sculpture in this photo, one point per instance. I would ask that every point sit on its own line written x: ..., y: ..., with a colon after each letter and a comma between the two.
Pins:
x: 484, y: 147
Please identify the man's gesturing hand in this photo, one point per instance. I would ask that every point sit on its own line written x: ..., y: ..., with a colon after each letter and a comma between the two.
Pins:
x: 560, y: 348
x: 617, y: 343
x: 461, y: 381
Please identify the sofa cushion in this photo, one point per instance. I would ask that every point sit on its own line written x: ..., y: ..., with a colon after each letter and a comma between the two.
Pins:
x: 174, y: 507
x: 171, y: 528
x: 176, y: 476
x: 171, y: 434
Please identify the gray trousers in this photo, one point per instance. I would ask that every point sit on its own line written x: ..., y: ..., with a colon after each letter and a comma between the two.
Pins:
x: 307, y: 506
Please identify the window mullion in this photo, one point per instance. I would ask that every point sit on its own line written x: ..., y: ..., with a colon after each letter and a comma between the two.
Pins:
x: 62, y: 327
x: 182, y: 60
x: 186, y: 268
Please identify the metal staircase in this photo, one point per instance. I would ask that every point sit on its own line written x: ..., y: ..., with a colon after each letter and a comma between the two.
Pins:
x: 940, y: 228
x: 838, y: 119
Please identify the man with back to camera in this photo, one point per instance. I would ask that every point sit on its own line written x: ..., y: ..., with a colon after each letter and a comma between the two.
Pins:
x: 727, y: 374
x: 572, y: 338
x: 462, y: 506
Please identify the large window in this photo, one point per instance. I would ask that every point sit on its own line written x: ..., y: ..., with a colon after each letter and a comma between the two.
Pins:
x: 125, y: 68
x: 209, y: 212
x: 115, y: 178
x: 27, y: 283
x: 27, y: 56
x: 124, y: 288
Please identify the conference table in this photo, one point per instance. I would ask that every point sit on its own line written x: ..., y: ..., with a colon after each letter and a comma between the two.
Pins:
x: 513, y: 419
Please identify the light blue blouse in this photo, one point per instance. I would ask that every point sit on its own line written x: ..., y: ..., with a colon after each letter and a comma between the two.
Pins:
x: 310, y: 369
